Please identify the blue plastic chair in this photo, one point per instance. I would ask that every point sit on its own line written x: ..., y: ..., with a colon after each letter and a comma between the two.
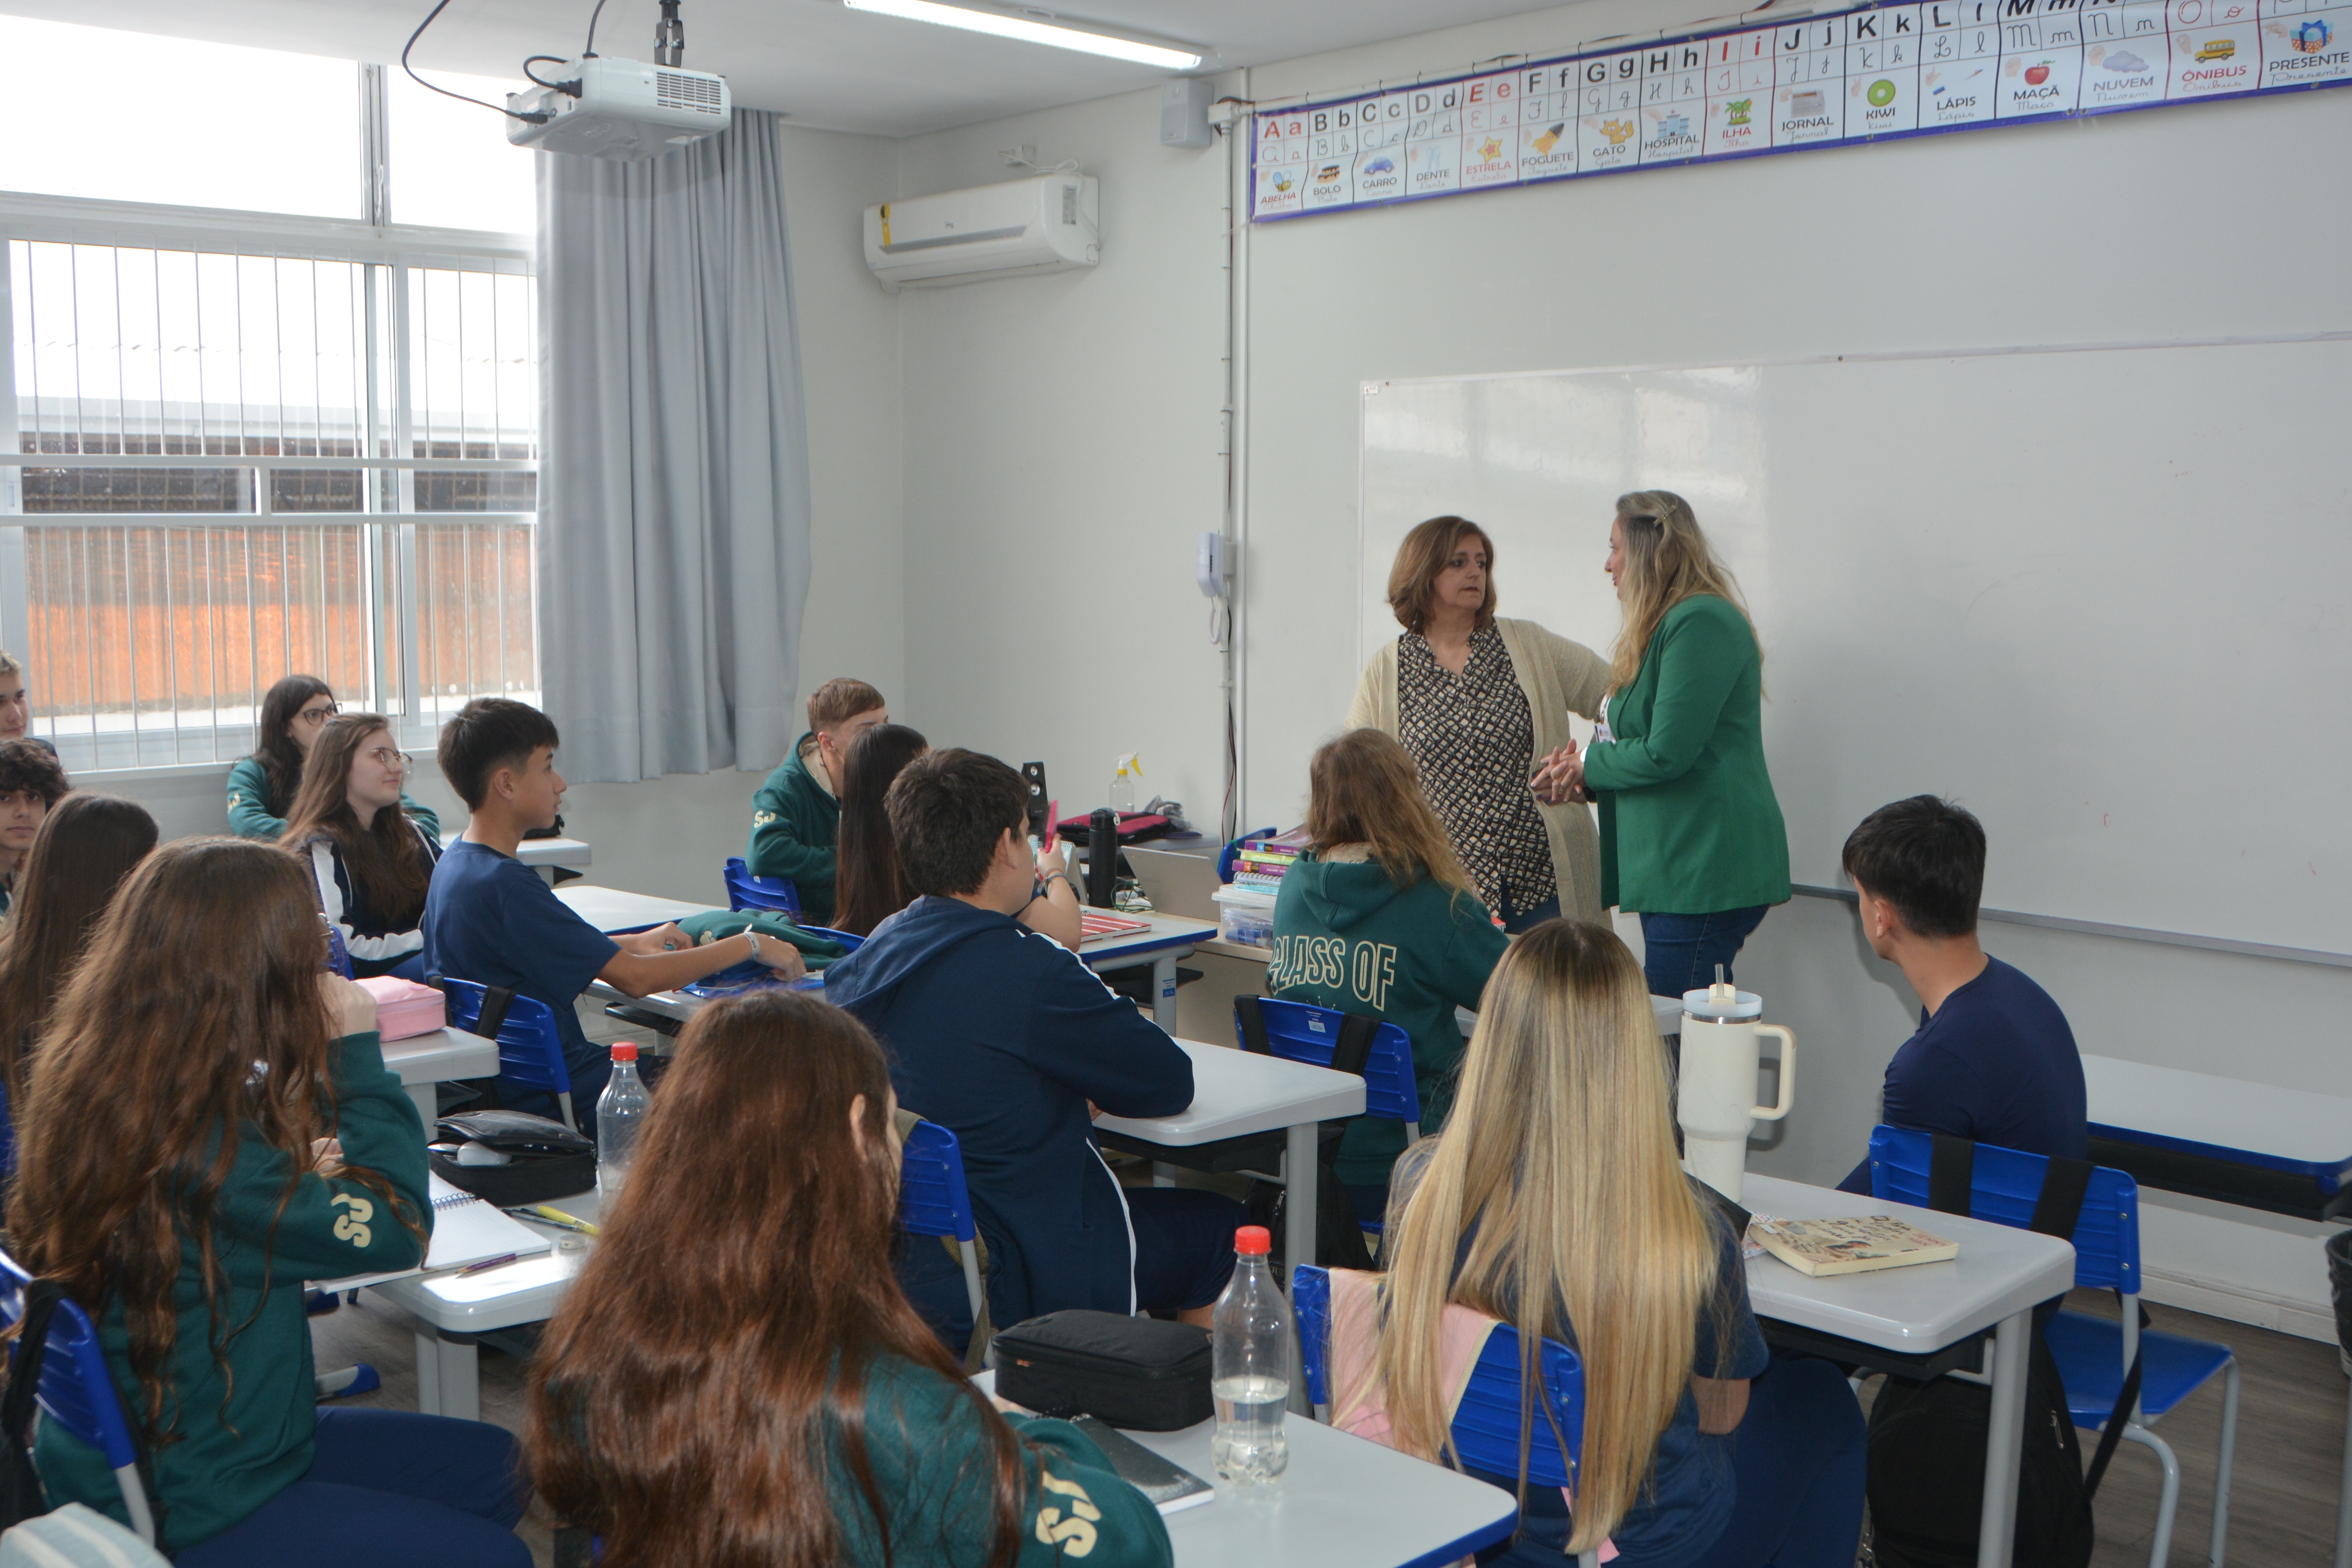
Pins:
x: 1303, y: 1032
x: 78, y: 1393
x: 1486, y: 1422
x: 746, y: 891
x: 531, y: 1053
x: 934, y: 1201
x: 2094, y: 1353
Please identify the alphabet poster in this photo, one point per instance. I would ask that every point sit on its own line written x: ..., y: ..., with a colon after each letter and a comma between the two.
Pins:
x: 1879, y: 72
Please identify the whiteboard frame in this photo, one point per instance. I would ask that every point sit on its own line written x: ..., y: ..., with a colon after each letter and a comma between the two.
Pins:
x: 1368, y: 390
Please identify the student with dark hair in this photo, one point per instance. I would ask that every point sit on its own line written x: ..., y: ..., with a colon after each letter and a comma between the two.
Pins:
x: 253, y: 1140
x: 871, y: 887
x: 372, y: 862
x: 670, y: 1415
x: 1004, y: 1037
x: 84, y: 849
x: 796, y: 814
x: 1994, y: 1059
x: 31, y: 782
x: 488, y: 918
x: 261, y: 787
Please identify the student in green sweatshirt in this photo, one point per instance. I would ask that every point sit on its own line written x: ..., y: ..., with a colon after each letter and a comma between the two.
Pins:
x: 767, y: 1394
x: 254, y: 1139
x: 796, y: 815
x: 261, y: 786
x: 1377, y: 918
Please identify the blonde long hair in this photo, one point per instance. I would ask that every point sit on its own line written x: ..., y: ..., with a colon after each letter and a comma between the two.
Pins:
x: 1667, y: 560
x: 1560, y: 1149
x: 1363, y: 788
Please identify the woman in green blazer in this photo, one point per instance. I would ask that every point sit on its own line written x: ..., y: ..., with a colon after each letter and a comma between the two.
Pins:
x: 1691, y: 836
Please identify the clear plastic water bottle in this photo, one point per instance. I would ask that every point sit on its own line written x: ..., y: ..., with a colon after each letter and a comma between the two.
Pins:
x: 1250, y: 1367
x: 1122, y: 782
x: 620, y: 1112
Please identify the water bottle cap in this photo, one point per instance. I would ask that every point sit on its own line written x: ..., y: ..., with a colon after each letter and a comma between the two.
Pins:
x: 624, y: 1050
x: 1253, y: 1241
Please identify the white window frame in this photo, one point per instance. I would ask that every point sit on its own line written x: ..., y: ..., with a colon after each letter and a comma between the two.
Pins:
x: 398, y: 247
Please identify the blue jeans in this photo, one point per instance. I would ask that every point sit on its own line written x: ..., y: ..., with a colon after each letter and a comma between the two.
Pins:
x: 1797, y: 1464
x: 388, y: 1488
x: 1680, y: 951
x: 1516, y: 922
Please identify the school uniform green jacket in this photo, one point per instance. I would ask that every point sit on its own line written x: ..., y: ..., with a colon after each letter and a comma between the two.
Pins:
x: 931, y: 1468
x: 1689, y: 825
x: 231, y: 1459
x: 795, y: 822
x: 248, y: 805
x: 1346, y: 936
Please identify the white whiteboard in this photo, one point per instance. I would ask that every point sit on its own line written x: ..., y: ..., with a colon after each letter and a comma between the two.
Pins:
x: 2103, y: 598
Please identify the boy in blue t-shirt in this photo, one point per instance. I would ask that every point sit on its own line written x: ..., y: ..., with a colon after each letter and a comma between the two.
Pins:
x: 489, y: 918
x: 1994, y: 1059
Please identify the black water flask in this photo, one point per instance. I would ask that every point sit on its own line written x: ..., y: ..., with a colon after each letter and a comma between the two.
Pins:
x: 1102, y: 857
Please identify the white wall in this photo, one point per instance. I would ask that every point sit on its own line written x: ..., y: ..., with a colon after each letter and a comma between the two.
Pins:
x: 1068, y: 419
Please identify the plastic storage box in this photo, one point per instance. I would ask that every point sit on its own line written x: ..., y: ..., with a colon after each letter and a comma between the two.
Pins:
x: 403, y: 1009
x: 1245, y: 915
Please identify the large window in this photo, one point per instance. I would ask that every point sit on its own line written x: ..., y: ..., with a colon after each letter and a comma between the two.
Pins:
x: 240, y: 446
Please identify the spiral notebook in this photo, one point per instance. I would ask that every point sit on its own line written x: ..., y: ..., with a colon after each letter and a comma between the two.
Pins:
x: 466, y: 1230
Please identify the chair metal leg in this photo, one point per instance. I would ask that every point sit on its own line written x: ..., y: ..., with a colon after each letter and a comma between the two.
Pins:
x: 2159, y: 1552
x: 2222, y: 1466
x: 2344, y: 1491
x: 972, y: 1288
x: 564, y: 1102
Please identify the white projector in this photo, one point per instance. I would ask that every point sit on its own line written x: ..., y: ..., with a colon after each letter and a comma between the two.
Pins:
x: 620, y: 108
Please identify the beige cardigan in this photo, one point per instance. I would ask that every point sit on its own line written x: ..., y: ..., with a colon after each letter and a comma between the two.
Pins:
x: 1559, y: 677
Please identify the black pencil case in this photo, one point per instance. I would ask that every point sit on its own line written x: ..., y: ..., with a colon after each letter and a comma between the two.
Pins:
x: 1141, y: 1374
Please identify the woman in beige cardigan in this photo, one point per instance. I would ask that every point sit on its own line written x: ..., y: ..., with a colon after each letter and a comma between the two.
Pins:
x: 1479, y: 701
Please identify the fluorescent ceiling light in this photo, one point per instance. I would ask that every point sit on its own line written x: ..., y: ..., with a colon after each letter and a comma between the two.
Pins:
x: 1030, y: 32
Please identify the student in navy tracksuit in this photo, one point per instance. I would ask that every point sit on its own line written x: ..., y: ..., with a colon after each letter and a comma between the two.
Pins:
x: 371, y: 860
x: 1002, y: 1036
x: 1994, y: 1059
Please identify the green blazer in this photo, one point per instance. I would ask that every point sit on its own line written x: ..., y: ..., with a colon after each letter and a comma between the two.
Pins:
x: 1689, y: 825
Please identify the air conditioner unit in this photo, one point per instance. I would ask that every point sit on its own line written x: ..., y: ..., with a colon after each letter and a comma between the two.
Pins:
x: 620, y: 108
x: 1046, y: 223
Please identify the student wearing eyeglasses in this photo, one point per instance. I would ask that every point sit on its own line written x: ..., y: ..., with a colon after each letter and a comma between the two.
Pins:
x: 261, y: 788
x: 372, y: 859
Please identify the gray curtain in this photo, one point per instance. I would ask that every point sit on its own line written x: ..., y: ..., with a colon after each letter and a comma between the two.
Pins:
x: 674, y: 503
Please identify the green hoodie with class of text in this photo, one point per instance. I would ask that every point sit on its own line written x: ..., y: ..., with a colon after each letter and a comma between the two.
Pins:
x: 1346, y: 936
x: 795, y: 820
x: 240, y: 1391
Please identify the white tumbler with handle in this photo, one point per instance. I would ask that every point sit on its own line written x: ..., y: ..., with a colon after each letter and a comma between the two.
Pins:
x: 1717, y: 1092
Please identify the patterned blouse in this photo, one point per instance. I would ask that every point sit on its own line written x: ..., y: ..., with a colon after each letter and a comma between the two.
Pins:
x: 1473, y: 739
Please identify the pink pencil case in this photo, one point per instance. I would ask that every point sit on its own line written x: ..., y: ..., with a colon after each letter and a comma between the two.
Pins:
x: 404, y: 1008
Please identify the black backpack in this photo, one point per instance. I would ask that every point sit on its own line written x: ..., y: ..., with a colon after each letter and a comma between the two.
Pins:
x: 1926, y: 1453
x: 20, y: 1487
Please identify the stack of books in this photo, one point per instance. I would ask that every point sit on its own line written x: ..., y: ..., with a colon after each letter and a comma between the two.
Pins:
x: 1260, y: 862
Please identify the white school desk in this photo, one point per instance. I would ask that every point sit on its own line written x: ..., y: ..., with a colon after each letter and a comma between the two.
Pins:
x: 545, y: 855
x: 1236, y: 1094
x: 1341, y: 1502
x: 1171, y: 937
x: 1999, y: 1275
x: 2285, y: 1150
x: 451, y: 1309
x: 443, y: 1056
x: 616, y: 913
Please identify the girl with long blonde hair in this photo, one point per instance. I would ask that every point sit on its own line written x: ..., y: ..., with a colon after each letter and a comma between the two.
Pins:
x: 1691, y: 834
x: 1377, y: 918
x: 1553, y: 1203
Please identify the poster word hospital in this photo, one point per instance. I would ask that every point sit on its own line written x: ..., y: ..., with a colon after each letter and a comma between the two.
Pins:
x: 1883, y: 71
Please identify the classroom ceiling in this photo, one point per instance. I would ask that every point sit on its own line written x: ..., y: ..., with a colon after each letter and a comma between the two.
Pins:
x: 816, y: 60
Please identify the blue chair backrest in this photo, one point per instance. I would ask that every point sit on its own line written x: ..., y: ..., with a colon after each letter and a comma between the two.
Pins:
x: 849, y: 942
x: 1302, y: 1032
x: 1486, y: 1421
x: 746, y: 891
x: 932, y: 1198
x: 2004, y: 1185
x: 76, y: 1390
x: 531, y: 1052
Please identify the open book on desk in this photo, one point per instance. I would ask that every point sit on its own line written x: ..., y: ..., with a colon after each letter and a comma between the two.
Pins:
x: 466, y: 1230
